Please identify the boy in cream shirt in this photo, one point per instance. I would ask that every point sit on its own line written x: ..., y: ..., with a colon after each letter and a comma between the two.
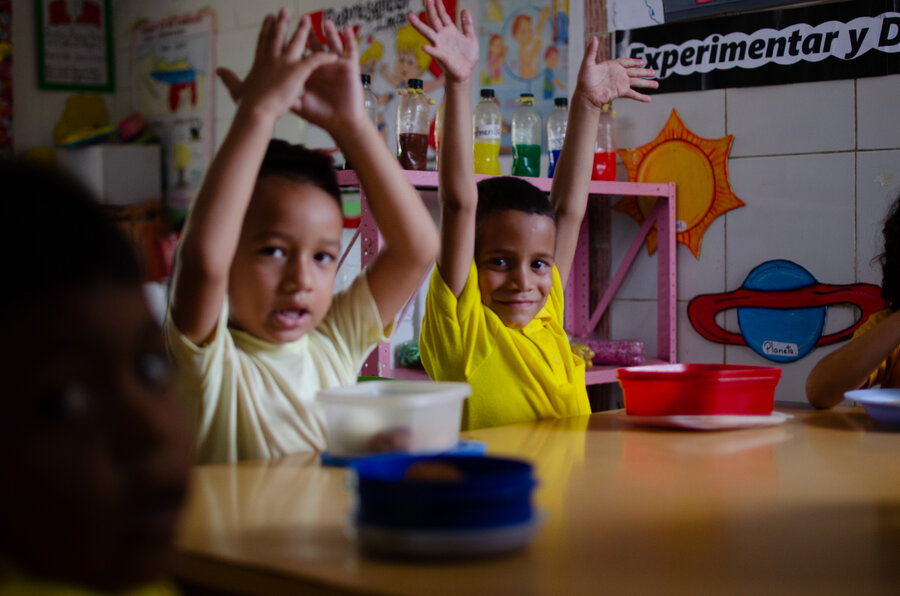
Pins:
x: 253, y: 326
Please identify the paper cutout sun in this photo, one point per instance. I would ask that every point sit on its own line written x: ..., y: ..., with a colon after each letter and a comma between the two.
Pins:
x: 699, y: 169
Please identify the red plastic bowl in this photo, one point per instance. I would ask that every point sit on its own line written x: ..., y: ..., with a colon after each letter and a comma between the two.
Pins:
x: 698, y: 389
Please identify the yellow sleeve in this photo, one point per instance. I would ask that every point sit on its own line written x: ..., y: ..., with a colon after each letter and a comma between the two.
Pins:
x: 456, y: 334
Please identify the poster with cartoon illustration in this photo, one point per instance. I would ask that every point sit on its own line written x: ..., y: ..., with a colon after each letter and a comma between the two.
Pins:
x: 173, y: 67
x: 390, y: 52
x: 6, y: 97
x: 524, y: 49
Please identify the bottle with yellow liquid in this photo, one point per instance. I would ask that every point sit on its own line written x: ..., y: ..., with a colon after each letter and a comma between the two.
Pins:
x: 486, y: 121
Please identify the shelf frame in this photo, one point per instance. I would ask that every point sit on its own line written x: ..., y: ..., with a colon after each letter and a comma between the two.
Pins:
x: 579, y: 319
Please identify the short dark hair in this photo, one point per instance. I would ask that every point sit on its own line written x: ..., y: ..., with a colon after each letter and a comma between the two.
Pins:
x: 58, y: 237
x: 890, y: 258
x: 506, y: 193
x: 297, y: 163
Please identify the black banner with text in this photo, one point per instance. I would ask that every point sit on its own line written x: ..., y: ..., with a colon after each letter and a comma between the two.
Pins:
x: 845, y: 40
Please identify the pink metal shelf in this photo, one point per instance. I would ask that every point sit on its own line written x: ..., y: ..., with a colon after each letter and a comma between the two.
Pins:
x: 579, y: 319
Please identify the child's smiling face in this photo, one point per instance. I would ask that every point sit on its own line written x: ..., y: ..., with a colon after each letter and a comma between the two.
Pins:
x: 99, y: 447
x: 282, y: 276
x: 515, y: 258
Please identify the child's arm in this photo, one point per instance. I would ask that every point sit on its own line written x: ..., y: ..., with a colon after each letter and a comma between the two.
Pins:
x: 598, y: 84
x: 457, y: 52
x: 333, y: 100
x: 214, y: 226
x: 849, y: 366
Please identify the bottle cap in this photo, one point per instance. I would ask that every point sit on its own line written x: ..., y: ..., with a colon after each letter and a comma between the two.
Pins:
x: 526, y: 95
x: 366, y: 79
x: 561, y: 102
x: 488, y: 93
x: 415, y: 83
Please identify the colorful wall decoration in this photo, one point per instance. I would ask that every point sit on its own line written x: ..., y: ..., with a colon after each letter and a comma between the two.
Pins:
x: 699, y: 168
x: 391, y: 53
x: 781, y: 310
x: 173, y: 66
x: 6, y: 95
x: 524, y: 49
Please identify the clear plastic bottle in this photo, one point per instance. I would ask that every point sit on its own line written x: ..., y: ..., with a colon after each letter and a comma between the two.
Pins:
x: 486, y: 130
x: 438, y: 130
x: 370, y: 101
x: 556, y: 131
x: 526, y: 138
x: 605, y: 147
x: 413, y: 118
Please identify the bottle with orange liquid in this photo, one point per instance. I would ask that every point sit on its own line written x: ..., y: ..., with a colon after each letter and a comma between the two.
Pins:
x: 486, y: 129
x: 605, y: 147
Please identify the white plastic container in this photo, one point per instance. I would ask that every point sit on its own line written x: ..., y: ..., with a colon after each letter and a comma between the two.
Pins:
x: 364, y: 418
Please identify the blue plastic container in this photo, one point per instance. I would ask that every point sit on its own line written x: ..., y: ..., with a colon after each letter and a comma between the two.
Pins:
x: 492, y: 492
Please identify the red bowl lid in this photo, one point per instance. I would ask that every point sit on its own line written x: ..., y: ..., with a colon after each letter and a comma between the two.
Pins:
x: 698, y: 372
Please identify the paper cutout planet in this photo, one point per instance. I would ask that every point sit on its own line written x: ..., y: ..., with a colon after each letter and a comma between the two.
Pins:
x: 781, y: 311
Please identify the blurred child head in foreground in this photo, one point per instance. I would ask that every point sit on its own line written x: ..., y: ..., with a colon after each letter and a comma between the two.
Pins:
x: 97, y: 448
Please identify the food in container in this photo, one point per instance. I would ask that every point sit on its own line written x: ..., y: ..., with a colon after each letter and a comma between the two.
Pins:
x: 410, y: 416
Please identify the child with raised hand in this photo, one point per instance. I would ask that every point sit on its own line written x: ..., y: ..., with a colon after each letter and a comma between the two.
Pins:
x: 97, y: 441
x: 494, y: 311
x: 872, y: 356
x: 253, y: 325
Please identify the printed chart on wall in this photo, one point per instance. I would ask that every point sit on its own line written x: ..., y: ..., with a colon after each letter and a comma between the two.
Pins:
x: 6, y: 97
x: 524, y: 49
x: 74, y: 45
x: 391, y: 53
x: 173, y: 68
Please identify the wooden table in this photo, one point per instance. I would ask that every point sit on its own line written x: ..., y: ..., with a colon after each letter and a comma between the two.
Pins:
x: 808, y: 507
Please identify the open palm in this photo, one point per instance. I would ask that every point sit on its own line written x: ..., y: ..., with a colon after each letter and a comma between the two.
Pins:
x: 456, y: 50
x: 601, y: 82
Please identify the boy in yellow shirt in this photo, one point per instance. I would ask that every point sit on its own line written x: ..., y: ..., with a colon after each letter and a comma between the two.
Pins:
x: 253, y: 325
x: 494, y: 312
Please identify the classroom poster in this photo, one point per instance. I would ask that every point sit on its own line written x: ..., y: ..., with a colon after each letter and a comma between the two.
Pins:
x: 390, y: 51
x: 173, y: 65
x: 74, y: 45
x: 6, y: 96
x: 524, y: 49
x: 842, y: 40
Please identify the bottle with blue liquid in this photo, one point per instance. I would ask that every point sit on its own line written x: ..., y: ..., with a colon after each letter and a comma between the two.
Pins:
x: 556, y: 131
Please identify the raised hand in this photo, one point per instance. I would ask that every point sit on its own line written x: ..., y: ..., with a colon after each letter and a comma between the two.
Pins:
x: 333, y: 95
x: 456, y: 50
x: 280, y: 69
x: 602, y: 82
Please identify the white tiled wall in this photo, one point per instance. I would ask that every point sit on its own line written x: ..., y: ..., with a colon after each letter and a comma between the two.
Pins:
x: 817, y: 165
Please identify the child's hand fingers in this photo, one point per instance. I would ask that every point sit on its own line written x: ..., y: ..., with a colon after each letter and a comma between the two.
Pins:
x: 421, y: 27
x: 351, y: 48
x: 630, y: 62
x: 277, y: 40
x: 265, y: 32
x: 446, y: 20
x: 643, y: 81
x: 314, y: 43
x: 431, y: 14
x: 590, y: 54
x: 333, y: 39
x: 468, y: 27
x: 632, y: 94
x: 231, y: 82
x: 298, y: 40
